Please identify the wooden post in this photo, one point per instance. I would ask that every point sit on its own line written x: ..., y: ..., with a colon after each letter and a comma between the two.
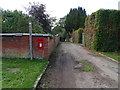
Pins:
x: 30, y: 39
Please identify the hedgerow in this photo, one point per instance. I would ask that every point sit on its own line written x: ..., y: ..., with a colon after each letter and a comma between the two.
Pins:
x: 77, y: 35
x: 102, y: 30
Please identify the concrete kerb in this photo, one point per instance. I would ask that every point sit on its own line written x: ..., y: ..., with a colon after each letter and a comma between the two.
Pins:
x: 39, y: 77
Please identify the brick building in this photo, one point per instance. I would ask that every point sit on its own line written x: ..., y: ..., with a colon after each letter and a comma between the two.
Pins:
x: 17, y: 45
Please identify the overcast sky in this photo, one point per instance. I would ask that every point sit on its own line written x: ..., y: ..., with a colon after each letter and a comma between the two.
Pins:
x: 59, y: 8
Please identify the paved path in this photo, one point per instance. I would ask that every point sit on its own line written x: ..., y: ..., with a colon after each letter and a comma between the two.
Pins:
x: 61, y: 72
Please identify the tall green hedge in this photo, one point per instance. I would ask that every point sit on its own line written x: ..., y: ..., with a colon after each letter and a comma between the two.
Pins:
x: 77, y: 35
x: 102, y: 30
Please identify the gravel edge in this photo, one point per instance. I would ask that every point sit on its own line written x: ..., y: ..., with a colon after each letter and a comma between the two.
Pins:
x: 102, y: 55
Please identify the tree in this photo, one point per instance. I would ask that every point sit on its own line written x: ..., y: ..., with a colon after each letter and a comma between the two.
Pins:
x: 14, y: 22
x: 59, y: 28
x: 75, y: 19
x: 39, y: 13
x: 18, y: 22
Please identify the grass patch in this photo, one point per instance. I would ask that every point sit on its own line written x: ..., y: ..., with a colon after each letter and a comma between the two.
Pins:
x: 25, y: 75
x: 88, y: 69
x: 114, y: 55
x: 85, y: 62
x: 86, y: 66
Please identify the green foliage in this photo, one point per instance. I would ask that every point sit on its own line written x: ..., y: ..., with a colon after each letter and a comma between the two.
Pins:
x: 36, y: 27
x: 17, y: 22
x: 75, y: 19
x: 59, y: 28
x: 102, y: 30
x: 77, y: 36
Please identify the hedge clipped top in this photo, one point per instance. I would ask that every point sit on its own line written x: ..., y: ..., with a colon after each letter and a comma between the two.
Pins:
x: 102, y: 30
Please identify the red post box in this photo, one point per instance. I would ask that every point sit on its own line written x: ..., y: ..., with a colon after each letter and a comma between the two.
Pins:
x: 40, y: 43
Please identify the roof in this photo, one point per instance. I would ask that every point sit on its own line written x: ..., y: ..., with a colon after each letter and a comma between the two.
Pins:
x: 23, y: 34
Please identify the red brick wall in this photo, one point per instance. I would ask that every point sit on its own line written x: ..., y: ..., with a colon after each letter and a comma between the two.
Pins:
x: 52, y: 44
x: 18, y: 46
x: 13, y: 46
x: 57, y: 39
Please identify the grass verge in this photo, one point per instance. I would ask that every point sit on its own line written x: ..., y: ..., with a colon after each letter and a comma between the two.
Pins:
x: 21, y: 73
x: 113, y: 55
